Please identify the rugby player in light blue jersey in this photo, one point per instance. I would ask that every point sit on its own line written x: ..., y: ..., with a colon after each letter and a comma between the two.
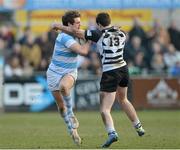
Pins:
x: 62, y: 71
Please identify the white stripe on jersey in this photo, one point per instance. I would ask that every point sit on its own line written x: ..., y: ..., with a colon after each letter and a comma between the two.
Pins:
x: 109, y: 67
x: 63, y: 59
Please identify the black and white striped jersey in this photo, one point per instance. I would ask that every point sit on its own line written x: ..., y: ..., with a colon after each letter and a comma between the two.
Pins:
x: 110, y: 44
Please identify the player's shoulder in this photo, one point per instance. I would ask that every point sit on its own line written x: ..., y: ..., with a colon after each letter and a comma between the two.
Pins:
x: 91, y: 32
x: 93, y: 35
x: 122, y: 32
x: 114, y: 29
x: 64, y: 37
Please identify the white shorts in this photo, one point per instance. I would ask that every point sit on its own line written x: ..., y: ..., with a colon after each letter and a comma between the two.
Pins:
x: 53, y: 79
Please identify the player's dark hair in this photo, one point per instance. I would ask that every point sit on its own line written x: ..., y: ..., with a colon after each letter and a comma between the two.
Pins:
x: 103, y: 19
x: 69, y: 17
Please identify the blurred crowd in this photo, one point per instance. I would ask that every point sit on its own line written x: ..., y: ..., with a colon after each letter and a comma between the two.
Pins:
x: 155, y: 52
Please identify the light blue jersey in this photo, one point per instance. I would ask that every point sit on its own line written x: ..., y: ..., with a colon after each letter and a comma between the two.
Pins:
x: 64, y: 61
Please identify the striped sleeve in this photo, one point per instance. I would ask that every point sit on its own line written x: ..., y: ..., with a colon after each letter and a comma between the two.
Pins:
x: 67, y: 40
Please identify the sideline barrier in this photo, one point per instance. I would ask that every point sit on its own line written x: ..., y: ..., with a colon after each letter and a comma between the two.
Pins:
x: 156, y: 93
x: 145, y: 93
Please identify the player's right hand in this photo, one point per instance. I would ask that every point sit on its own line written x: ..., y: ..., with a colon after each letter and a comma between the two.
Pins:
x: 55, y: 26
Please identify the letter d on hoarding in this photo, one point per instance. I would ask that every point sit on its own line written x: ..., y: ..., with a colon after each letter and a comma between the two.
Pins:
x: 13, y: 94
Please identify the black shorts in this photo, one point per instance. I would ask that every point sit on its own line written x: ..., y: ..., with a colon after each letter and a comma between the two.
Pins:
x: 112, y: 79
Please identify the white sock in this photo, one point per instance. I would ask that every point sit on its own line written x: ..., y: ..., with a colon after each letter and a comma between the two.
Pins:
x: 137, y: 124
x: 68, y: 102
x: 110, y: 129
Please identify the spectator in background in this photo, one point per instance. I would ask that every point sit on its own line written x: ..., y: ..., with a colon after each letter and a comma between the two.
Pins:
x: 163, y: 37
x: 174, y: 34
x: 153, y: 32
x: 133, y: 70
x: 45, y: 46
x: 13, y: 67
x: 6, y: 33
x: 43, y: 65
x: 139, y: 62
x: 46, y: 51
x: 28, y: 68
x: 137, y: 30
x: 27, y: 32
x: 52, y: 37
x: 23, y: 63
x: 157, y: 64
x: 175, y: 70
x: 16, y: 51
x: 171, y: 56
x: 133, y: 48
x: 159, y: 33
x: 155, y: 48
x: 32, y: 52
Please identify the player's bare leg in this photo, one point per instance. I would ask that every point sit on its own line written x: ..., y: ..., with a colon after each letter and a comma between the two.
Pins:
x: 129, y: 109
x: 106, y: 101
x: 66, y: 85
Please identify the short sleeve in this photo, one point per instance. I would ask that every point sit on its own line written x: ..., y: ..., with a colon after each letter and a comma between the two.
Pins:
x: 93, y: 35
x: 67, y: 40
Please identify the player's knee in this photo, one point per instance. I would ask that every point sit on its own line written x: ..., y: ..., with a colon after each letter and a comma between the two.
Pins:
x: 64, y: 90
x: 104, y: 112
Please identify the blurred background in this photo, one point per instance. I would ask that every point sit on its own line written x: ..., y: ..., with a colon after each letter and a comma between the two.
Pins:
x: 152, y: 52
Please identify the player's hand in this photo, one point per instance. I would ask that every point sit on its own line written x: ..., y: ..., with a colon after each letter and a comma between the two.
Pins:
x: 74, y: 30
x: 55, y: 26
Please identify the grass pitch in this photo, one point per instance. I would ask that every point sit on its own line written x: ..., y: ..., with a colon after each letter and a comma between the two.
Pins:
x: 47, y: 131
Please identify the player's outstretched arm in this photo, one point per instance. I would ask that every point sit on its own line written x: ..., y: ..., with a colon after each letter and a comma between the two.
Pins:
x: 72, y: 31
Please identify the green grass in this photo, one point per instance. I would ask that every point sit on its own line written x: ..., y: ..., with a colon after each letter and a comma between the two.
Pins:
x: 47, y: 130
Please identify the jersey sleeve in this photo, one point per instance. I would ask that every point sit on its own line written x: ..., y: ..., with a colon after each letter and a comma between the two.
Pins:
x: 93, y: 35
x: 68, y: 40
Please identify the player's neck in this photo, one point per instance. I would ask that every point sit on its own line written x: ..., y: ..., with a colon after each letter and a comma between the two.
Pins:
x: 103, y: 28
